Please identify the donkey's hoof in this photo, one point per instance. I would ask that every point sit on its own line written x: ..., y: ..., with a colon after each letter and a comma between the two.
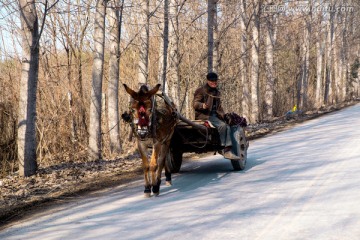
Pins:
x: 168, y: 183
x: 156, y: 194
x: 156, y: 188
x: 147, y: 192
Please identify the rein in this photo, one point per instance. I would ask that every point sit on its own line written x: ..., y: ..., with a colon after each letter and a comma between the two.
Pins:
x: 213, y: 96
x: 172, y: 115
x: 178, y: 116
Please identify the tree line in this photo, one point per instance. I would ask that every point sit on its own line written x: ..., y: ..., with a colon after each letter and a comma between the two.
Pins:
x: 62, y: 62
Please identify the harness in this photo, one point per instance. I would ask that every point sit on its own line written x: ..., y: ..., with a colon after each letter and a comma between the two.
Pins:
x: 143, y: 133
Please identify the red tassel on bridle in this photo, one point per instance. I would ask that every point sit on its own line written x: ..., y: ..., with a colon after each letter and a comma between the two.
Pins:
x: 143, y: 118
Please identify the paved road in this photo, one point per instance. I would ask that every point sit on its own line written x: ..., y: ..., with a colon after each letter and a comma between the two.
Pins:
x: 303, y: 183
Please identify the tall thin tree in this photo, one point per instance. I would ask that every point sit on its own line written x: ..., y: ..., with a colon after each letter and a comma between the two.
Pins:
x: 114, y: 19
x: 319, y: 60
x: 164, y: 45
x: 337, y: 56
x: 95, y: 136
x: 270, y: 36
x: 26, y: 138
x: 254, y: 116
x: 212, y: 21
x: 173, y: 69
x: 245, y: 101
x: 305, y: 59
x: 144, y: 43
x: 329, y: 55
x: 343, y: 55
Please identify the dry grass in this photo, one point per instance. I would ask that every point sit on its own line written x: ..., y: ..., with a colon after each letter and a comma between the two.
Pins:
x: 7, y: 139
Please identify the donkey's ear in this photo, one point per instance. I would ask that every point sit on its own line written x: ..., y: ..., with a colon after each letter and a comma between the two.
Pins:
x: 154, y: 90
x: 132, y: 93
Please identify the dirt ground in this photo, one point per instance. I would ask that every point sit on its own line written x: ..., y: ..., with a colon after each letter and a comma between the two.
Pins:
x: 60, y: 183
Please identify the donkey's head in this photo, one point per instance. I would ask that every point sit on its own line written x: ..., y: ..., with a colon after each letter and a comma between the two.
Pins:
x: 141, y: 108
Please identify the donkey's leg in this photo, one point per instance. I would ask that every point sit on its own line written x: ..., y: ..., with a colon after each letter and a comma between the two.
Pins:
x: 168, y: 176
x: 145, y: 164
x: 167, y: 170
x: 161, y: 164
x: 154, y: 168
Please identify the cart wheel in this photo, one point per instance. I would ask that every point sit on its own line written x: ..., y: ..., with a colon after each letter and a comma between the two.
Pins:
x: 174, y: 160
x: 243, y: 145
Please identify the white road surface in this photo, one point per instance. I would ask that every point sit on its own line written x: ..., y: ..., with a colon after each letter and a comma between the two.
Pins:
x: 303, y: 183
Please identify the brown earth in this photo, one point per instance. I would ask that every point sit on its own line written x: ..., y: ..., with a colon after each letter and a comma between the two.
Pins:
x: 61, y: 183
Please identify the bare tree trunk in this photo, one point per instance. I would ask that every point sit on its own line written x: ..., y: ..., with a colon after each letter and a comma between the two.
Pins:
x: 164, y: 49
x: 113, y: 84
x: 216, y: 52
x: 337, y: 72
x: 337, y: 57
x: 319, y: 53
x: 144, y: 44
x: 344, y: 57
x: 329, y: 60
x: 69, y: 56
x: 173, y: 70
x: 212, y: 12
x: 80, y: 88
x: 254, y: 117
x: 95, y: 137
x: 26, y: 139
x: 298, y: 77
x: 270, y: 73
x: 187, y: 109
x: 72, y: 117
x: 332, y: 89
x: 305, y: 63
x: 161, y: 61
x: 245, y: 102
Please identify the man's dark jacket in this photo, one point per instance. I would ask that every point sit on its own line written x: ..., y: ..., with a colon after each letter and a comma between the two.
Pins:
x: 208, y: 95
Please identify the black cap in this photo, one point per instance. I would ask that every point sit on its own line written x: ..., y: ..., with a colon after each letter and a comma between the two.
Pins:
x: 211, y: 76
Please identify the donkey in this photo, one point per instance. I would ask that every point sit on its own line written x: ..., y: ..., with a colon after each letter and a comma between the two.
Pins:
x: 153, y: 122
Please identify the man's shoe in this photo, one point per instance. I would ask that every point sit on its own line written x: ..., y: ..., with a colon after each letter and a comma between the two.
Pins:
x: 223, y: 151
x: 230, y: 155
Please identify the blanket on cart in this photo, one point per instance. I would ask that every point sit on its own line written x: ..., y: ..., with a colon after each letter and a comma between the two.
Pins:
x: 233, y: 119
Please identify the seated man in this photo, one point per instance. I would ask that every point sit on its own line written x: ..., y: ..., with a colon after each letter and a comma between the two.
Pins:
x: 207, y: 105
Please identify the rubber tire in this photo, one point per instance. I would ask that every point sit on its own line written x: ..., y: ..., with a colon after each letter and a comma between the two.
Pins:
x: 239, y: 165
x: 174, y: 160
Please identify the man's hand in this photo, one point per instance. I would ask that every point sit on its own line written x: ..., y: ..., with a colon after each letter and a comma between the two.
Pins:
x: 205, y: 106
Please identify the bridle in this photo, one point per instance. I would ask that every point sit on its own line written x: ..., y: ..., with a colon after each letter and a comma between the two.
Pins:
x: 143, y: 122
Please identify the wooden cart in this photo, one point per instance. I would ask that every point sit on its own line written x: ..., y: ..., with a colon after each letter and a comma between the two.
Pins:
x: 194, y: 136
